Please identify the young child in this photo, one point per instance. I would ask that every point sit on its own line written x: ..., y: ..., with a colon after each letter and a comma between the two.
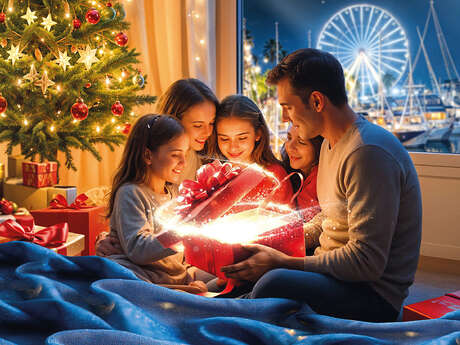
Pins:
x: 194, y: 104
x: 243, y: 138
x: 153, y: 159
x: 303, y: 156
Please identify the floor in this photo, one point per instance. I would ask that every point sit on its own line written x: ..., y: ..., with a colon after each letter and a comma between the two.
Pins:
x: 429, y: 284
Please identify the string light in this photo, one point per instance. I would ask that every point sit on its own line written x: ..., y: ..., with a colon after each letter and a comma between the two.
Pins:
x: 101, y: 51
x: 98, y: 129
x: 19, y: 82
x: 113, y: 120
x: 197, y: 58
x: 58, y: 88
x: 10, y: 9
x: 26, y: 122
x: 3, y: 114
x: 75, y: 121
x: 107, y: 81
x: 52, y: 128
x: 67, y: 15
x: 131, y: 113
x: 201, y: 42
x: 123, y: 74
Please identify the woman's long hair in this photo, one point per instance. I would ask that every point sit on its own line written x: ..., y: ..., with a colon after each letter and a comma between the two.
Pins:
x: 149, y: 132
x: 182, y: 95
x: 243, y: 108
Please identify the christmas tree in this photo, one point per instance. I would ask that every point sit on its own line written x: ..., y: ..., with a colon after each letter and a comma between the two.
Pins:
x: 67, y: 78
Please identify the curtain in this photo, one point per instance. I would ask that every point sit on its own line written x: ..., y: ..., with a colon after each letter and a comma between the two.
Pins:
x: 176, y: 39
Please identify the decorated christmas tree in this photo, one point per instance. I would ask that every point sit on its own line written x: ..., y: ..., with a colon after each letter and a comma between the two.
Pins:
x: 67, y: 78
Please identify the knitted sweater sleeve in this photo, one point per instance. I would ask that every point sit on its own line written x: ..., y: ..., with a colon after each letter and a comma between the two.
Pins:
x: 133, y: 215
x: 371, y: 181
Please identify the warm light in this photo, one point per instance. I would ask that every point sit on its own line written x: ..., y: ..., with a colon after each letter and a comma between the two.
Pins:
x: 131, y: 113
x: 52, y: 128
x: 67, y: 15
x: 120, y: 79
x: 74, y: 121
x: 58, y: 88
x: 94, y: 3
x: 107, y: 81
x: 197, y: 58
x: 10, y: 9
x: 113, y: 120
x: 113, y: 32
x: 59, y: 112
x: 97, y: 38
x: 118, y: 128
x: 42, y: 39
x: 101, y: 51
x: 197, y: 16
x: 3, y: 115
x: 123, y: 74
x: 26, y: 122
x: 19, y: 82
x: 98, y: 129
x: 265, y: 60
x: 257, y: 69
x: 201, y: 42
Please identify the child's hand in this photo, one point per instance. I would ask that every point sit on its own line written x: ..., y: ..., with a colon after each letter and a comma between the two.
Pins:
x: 200, y: 285
x: 107, y: 245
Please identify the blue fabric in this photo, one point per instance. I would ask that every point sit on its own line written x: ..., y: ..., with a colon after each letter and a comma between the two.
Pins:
x: 326, y: 295
x: 46, y: 298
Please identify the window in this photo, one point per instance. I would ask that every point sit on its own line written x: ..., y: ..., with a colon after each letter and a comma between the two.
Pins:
x: 401, y: 61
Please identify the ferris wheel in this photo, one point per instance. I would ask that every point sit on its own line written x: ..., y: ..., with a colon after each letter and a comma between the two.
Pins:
x: 370, y: 44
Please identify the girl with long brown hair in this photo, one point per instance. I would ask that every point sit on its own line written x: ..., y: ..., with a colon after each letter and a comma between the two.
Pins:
x: 242, y: 137
x: 153, y: 160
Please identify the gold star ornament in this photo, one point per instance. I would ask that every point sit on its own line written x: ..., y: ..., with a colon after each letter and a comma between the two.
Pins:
x: 48, y: 22
x: 88, y: 57
x: 32, y: 75
x: 29, y: 16
x: 14, y: 54
x: 63, y: 60
x: 44, y: 83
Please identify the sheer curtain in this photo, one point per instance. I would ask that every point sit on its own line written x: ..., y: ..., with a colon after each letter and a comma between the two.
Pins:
x: 176, y: 39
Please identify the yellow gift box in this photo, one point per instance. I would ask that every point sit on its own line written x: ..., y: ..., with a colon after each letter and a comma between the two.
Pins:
x: 15, y: 166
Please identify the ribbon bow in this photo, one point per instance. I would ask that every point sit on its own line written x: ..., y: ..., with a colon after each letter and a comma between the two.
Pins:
x: 210, y: 177
x: 60, y: 201
x: 51, y: 236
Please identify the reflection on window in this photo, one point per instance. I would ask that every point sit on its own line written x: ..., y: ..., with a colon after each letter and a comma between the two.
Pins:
x: 400, y: 59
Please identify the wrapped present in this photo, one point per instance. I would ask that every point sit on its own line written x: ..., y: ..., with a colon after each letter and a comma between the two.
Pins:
x: 430, y: 309
x: 28, y: 197
x: 216, y: 242
x: 39, y: 174
x: 15, y: 166
x: 25, y: 220
x: 69, y: 193
x: 82, y: 219
x: 2, y: 178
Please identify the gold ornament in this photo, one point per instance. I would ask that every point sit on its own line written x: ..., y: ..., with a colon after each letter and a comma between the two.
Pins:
x: 4, y: 43
x: 63, y: 60
x: 48, y: 22
x: 14, y: 54
x: 44, y: 82
x: 32, y: 75
x: 88, y: 57
x: 29, y: 16
x: 38, y: 54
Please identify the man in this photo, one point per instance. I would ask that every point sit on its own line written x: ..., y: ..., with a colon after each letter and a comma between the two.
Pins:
x: 369, y: 193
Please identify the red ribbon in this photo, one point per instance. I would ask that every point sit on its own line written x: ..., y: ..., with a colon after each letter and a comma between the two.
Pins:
x: 60, y: 201
x: 51, y: 236
x: 210, y: 178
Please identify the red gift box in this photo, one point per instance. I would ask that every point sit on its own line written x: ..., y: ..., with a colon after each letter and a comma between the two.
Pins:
x: 87, y: 221
x: 39, y: 174
x: 26, y: 220
x: 281, y: 232
x: 430, y: 309
x: 455, y: 294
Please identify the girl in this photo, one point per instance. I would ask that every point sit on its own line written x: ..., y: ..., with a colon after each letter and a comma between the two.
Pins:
x: 194, y: 104
x: 303, y: 156
x: 243, y: 137
x: 153, y: 159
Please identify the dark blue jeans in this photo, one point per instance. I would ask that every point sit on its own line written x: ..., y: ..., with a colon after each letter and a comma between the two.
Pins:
x: 326, y: 295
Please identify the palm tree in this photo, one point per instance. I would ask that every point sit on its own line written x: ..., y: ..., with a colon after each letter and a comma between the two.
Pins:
x: 269, y: 51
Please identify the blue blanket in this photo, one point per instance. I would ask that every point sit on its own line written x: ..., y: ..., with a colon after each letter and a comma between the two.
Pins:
x: 46, y: 298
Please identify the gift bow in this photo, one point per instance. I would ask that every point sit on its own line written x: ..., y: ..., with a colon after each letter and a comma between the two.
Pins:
x: 52, y: 236
x: 210, y: 178
x: 60, y: 201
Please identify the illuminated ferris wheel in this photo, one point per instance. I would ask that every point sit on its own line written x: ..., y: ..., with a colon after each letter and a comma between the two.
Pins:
x: 371, y: 45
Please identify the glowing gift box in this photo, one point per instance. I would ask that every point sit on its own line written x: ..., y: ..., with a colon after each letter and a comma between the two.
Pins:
x: 215, y: 242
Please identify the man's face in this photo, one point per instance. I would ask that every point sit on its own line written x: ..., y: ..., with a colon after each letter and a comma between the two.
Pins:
x: 304, y: 119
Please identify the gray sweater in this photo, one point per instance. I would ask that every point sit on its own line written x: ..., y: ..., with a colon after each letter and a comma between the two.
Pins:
x: 371, y: 217
x: 133, y: 221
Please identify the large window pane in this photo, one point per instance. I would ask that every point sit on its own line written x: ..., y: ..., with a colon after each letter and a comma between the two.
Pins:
x: 401, y: 60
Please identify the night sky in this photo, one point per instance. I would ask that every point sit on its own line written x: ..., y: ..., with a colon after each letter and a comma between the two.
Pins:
x: 296, y: 17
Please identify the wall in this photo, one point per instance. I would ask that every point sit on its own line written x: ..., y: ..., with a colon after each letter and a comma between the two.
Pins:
x: 440, y: 183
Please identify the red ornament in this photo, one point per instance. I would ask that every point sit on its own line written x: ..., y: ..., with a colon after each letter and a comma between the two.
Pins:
x: 76, y: 23
x: 79, y: 110
x: 3, y: 104
x: 109, y: 4
x: 126, y: 128
x: 117, y: 108
x: 93, y: 16
x: 87, y: 85
x: 6, y: 207
x: 2, y: 17
x: 121, y: 39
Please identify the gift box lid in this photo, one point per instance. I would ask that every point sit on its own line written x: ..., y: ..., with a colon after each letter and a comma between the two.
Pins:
x: 225, y: 195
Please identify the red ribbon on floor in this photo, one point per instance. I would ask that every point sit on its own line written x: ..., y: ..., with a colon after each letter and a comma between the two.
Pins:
x: 51, y: 236
x: 210, y: 178
x: 60, y: 201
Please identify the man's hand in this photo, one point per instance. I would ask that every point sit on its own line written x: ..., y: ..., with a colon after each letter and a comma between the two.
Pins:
x: 262, y: 260
x: 107, y: 245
